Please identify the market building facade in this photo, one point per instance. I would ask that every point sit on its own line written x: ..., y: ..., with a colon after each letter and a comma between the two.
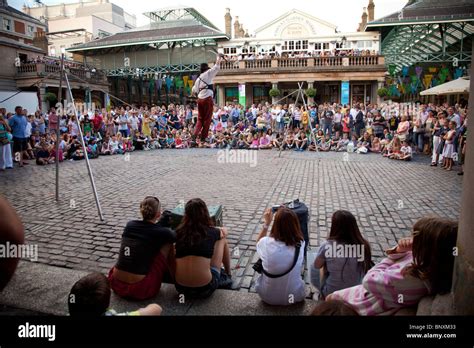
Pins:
x: 158, y: 63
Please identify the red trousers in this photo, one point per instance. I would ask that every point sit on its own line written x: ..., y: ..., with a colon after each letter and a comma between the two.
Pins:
x: 205, y: 108
x: 148, y: 287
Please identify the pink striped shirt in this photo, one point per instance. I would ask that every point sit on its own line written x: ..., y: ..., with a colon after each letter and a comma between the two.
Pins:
x: 384, y: 289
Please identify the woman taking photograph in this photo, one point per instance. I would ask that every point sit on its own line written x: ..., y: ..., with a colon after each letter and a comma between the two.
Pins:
x: 201, y: 251
x: 145, y: 256
x: 277, y: 252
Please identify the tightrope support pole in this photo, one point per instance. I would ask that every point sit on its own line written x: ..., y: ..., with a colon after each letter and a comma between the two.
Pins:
x: 81, y: 137
x: 59, y: 115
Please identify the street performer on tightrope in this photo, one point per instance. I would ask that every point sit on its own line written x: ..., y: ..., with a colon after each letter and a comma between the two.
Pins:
x: 204, y: 90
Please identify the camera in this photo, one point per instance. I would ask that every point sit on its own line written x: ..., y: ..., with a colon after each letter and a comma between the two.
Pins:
x: 276, y: 207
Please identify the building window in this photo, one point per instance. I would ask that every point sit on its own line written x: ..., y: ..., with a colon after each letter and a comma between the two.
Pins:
x: 230, y: 50
x: 260, y: 94
x: 291, y: 45
x: 325, y: 45
x: 7, y: 24
x: 305, y: 44
x: 364, y: 44
x: 298, y: 45
x: 318, y: 46
x: 31, y: 30
x: 285, y: 46
x: 231, y: 94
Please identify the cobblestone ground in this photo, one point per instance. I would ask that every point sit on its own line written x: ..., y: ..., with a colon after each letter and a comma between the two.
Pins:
x: 386, y: 196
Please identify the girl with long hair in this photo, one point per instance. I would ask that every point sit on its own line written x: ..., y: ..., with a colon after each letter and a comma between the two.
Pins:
x: 344, y: 258
x: 418, y: 266
x: 277, y: 252
x: 201, y: 251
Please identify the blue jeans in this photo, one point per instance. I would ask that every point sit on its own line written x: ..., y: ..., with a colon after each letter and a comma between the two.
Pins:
x: 327, y: 128
x: 316, y: 277
x: 419, y: 140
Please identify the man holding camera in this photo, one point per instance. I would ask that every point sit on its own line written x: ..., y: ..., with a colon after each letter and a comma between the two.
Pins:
x: 204, y: 90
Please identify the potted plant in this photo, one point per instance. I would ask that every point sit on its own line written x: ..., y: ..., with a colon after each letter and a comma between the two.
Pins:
x: 274, y: 92
x: 51, y: 98
x: 310, y: 92
x: 382, y: 92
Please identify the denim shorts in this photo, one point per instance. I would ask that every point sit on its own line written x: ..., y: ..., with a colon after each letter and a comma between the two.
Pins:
x: 202, y: 291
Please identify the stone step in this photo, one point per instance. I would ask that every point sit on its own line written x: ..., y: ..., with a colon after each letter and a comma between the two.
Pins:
x: 44, y: 289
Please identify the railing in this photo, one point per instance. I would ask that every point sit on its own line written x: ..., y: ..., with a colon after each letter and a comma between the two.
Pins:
x: 328, y: 61
x: 42, y: 69
x: 258, y: 64
x: 27, y: 68
x: 230, y: 65
x: 295, y: 63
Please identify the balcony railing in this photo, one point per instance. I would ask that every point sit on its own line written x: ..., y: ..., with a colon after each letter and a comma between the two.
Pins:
x: 316, y: 63
x: 43, y: 70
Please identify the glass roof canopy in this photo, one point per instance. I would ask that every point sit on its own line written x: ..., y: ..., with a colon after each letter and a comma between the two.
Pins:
x: 178, y: 13
x: 427, y: 31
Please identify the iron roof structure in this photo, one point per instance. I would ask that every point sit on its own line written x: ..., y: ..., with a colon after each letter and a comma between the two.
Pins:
x: 427, y: 31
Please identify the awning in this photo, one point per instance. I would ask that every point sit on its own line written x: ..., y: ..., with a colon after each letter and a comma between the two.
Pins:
x: 459, y: 86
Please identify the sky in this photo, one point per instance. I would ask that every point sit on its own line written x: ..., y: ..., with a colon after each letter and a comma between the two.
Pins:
x: 345, y: 14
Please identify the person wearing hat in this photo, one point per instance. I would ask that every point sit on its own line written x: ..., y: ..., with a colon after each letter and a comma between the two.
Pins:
x: 203, y: 88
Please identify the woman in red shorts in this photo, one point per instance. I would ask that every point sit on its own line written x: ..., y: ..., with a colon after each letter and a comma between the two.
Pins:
x: 144, y: 253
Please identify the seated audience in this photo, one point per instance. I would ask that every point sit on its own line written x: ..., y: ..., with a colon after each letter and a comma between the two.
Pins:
x: 280, y: 282
x: 90, y: 297
x: 146, y: 254
x: 418, y: 266
x: 201, y: 251
x: 333, y: 270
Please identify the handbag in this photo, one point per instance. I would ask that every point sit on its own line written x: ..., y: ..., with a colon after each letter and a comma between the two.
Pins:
x: 4, y: 139
x: 258, y: 266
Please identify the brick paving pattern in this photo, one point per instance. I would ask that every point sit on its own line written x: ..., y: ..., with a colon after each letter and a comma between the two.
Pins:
x: 387, y: 197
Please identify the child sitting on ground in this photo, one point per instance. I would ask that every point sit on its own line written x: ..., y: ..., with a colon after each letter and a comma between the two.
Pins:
x: 43, y: 156
x: 405, y: 152
x: 90, y: 297
x: 418, y: 266
x: 342, y: 144
x: 376, y: 147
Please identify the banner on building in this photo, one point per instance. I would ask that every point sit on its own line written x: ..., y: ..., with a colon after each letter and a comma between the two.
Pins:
x: 345, y: 92
x: 242, y: 99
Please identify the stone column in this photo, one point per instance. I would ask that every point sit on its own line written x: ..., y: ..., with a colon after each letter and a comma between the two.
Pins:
x: 310, y: 99
x: 44, y: 104
x: 463, y: 279
x: 220, y: 95
x: 275, y: 86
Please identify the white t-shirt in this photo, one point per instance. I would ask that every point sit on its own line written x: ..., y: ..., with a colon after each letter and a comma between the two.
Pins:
x: 74, y: 128
x: 28, y: 130
x: 204, y: 80
x: 134, y: 122
x: 277, y: 258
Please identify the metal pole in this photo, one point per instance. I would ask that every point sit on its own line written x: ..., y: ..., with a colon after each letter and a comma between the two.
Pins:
x: 59, y: 116
x: 81, y: 137
x: 300, y: 85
